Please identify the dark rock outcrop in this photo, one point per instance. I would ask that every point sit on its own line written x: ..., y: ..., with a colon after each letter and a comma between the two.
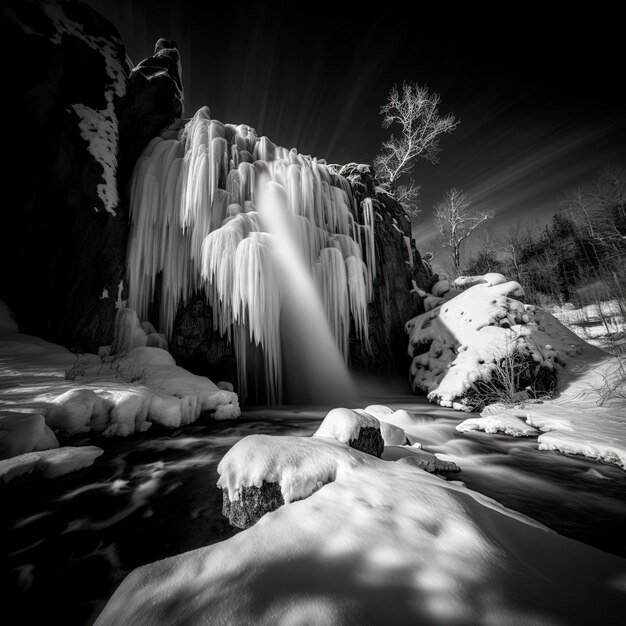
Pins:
x: 394, y: 302
x: 369, y: 441
x: 77, y: 119
x: 253, y: 504
x: 62, y: 230
x: 154, y: 100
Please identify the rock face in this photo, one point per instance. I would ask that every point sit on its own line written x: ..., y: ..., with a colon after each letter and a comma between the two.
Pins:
x: 398, y: 264
x: 78, y: 119
x: 253, y: 504
x: 154, y: 99
x: 198, y: 347
x: 63, y: 234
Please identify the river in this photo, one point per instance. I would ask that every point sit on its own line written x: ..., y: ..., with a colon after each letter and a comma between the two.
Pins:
x: 67, y: 543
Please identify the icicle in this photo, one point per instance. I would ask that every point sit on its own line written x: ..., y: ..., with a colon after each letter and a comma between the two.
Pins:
x: 331, y: 276
x: 195, y: 225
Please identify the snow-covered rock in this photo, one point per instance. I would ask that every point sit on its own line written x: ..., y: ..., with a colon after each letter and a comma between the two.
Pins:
x: 483, y: 335
x: 356, y: 428
x: 261, y: 473
x: 507, y: 424
x: 392, y: 435
x: 49, y: 463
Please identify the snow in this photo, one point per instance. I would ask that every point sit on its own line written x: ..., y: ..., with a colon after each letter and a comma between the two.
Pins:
x: 49, y: 463
x: 299, y: 465
x: 417, y: 457
x: 98, y: 127
x: 22, y: 432
x: 196, y: 220
x: 46, y: 388
x: 463, y: 340
x: 602, y: 324
x: 507, y: 424
x: 577, y: 421
x: 383, y: 542
x: 392, y: 435
x: 345, y: 425
x: 440, y: 289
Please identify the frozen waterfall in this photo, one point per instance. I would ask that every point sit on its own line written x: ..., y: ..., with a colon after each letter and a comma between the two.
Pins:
x: 286, y: 275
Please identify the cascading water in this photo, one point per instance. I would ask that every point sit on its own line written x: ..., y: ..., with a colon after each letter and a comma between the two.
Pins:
x: 196, y: 223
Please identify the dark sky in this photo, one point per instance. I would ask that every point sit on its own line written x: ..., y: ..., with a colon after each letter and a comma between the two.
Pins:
x: 540, y: 98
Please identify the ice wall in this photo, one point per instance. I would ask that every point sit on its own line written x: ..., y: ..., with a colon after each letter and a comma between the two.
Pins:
x: 195, y: 224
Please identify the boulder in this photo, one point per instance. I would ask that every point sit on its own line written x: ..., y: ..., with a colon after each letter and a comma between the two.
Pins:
x: 252, y: 505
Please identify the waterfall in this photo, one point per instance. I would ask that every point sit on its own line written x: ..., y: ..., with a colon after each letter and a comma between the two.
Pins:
x: 196, y: 222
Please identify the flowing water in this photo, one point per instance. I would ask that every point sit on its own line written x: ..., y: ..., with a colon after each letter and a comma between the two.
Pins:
x: 68, y: 542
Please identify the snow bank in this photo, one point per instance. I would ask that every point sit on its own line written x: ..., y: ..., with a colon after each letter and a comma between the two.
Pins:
x: 464, y: 340
x: 384, y: 541
x: 580, y: 420
x: 49, y: 463
x: 24, y: 432
x: 43, y: 386
x: 507, y: 424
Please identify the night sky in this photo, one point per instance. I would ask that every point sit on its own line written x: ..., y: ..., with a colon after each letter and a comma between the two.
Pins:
x: 540, y: 99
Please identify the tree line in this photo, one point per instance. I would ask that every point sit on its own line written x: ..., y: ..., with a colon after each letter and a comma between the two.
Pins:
x: 579, y: 257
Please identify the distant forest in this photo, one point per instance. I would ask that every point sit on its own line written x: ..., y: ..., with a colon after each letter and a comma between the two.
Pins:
x: 580, y: 257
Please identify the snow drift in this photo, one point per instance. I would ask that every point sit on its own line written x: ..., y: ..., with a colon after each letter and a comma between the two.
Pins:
x: 46, y: 391
x: 374, y: 542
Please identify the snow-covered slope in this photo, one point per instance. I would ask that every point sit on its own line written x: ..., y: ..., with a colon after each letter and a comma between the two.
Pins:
x: 384, y: 542
x: 46, y: 388
x: 578, y: 421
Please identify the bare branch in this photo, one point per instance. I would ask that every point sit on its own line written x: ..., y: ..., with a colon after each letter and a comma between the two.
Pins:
x: 416, y: 112
x: 456, y: 221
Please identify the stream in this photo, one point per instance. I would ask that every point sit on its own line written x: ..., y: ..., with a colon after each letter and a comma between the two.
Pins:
x: 67, y: 543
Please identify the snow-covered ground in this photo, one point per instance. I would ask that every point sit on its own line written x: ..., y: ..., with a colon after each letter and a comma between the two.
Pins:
x: 588, y: 416
x: 383, y: 542
x: 47, y: 392
x: 462, y: 341
x: 602, y: 324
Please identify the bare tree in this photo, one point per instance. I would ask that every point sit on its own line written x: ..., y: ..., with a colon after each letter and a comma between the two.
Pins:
x: 456, y: 221
x: 416, y: 111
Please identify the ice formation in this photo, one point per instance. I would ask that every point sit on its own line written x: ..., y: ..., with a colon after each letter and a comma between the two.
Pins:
x: 463, y: 339
x: 196, y: 223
